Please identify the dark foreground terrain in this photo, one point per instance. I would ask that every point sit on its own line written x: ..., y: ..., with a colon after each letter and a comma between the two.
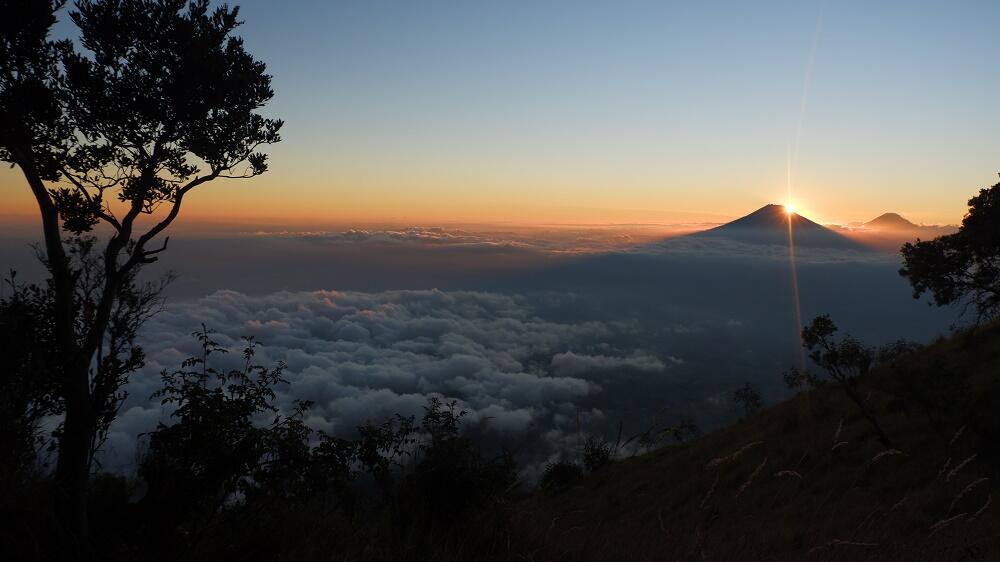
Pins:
x: 805, y: 479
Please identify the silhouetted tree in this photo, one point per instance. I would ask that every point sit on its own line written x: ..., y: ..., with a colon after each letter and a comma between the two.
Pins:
x: 846, y: 362
x: 747, y: 398
x: 32, y: 385
x: 32, y: 126
x: 963, y: 267
x: 163, y: 99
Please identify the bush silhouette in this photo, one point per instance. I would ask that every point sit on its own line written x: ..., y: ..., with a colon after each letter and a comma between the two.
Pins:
x: 597, y: 454
x: 560, y: 476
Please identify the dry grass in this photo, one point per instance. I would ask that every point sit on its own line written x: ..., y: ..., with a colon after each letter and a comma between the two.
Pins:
x: 965, y: 491
x: 689, y: 502
x: 753, y: 476
x: 884, y: 454
x: 981, y: 510
x: 722, y: 461
x: 954, y: 472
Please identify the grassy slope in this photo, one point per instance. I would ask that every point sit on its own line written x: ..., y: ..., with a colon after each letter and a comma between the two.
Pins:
x: 844, y: 502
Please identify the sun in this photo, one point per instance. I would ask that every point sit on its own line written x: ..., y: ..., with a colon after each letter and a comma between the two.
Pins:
x: 789, y: 209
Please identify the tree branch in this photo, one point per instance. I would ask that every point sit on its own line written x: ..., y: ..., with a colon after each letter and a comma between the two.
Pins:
x: 105, y: 216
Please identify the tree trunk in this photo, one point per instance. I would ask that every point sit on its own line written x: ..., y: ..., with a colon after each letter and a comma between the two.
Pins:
x: 867, y: 414
x: 73, y: 466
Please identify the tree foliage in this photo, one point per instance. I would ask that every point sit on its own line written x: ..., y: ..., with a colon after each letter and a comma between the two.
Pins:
x: 964, y: 267
x: 32, y: 116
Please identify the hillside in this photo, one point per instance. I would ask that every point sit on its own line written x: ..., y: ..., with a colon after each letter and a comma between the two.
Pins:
x: 805, y: 479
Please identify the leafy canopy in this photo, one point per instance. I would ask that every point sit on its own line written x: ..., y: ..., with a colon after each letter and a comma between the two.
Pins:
x: 964, y: 267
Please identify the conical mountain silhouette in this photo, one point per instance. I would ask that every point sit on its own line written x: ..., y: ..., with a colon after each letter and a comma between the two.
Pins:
x: 770, y: 225
x: 891, y: 221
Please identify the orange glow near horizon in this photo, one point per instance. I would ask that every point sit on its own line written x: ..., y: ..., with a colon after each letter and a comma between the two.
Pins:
x: 491, y: 113
x: 348, y: 197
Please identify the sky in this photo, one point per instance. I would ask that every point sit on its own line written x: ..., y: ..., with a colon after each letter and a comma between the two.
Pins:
x: 581, y: 132
x: 584, y: 112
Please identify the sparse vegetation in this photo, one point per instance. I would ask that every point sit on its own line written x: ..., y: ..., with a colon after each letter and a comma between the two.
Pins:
x: 846, y: 362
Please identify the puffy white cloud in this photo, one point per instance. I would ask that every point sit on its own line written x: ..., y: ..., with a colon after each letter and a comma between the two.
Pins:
x: 367, y: 356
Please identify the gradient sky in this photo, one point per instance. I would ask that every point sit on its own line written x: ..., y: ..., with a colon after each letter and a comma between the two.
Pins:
x: 548, y: 112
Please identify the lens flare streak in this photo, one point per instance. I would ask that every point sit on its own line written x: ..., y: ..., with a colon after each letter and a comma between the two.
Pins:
x: 793, y: 270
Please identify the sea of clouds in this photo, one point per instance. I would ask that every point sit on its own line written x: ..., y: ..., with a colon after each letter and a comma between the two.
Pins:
x: 524, y: 380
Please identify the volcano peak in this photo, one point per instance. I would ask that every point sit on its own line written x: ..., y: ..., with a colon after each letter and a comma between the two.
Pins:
x: 773, y: 224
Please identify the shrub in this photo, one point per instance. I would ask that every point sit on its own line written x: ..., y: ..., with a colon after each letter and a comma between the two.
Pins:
x: 560, y: 476
x: 747, y: 399
x: 452, y: 476
x: 597, y: 454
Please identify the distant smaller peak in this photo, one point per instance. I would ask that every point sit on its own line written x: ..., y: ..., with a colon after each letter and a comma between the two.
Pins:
x: 892, y: 220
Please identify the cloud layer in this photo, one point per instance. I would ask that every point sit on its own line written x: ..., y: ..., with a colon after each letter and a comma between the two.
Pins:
x: 366, y: 356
